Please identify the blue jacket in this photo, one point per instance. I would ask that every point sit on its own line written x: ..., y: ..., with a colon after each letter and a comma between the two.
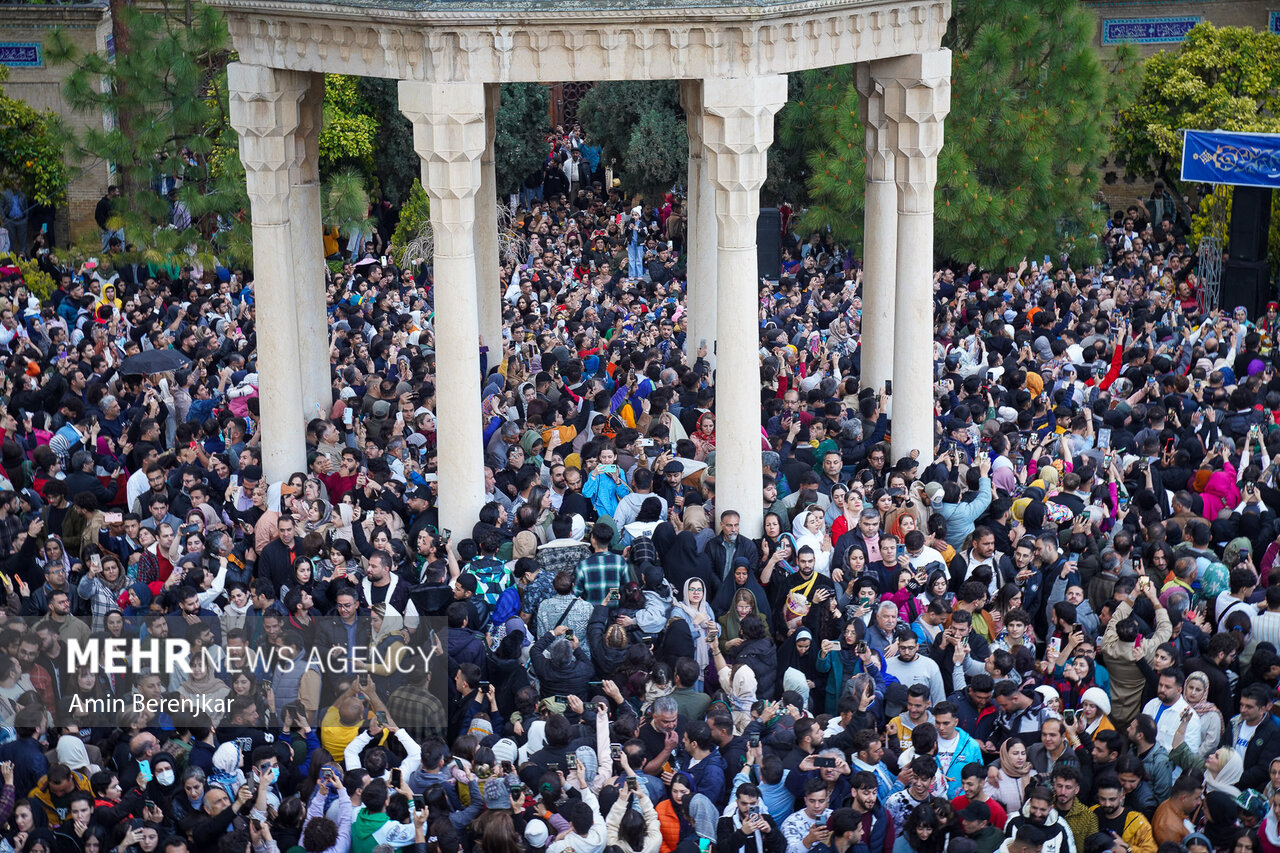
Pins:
x: 710, y: 776
x: 967, y: 752
x: 603, y: 492
x: 960, y: 517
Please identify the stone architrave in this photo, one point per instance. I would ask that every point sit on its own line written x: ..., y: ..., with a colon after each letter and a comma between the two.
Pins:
x: 737, y: 130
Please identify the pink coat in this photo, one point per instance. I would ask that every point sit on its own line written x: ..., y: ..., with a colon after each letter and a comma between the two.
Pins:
x: 1220, y: 492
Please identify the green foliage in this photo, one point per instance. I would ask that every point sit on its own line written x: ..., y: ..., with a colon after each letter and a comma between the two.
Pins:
x: 344, y: 203
x: 641, y: 124
x: 30, y: 154
x: 39, y: 283
x: 1030, y: 106
x: 414, y: 216
x: 520, y: 141
x: 1224, y: 78
x: 348, y: 133
x: 395, y: 163
x: 167, y: 96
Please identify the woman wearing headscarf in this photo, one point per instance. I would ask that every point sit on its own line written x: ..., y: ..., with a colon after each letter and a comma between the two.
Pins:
x: 1220, y: 489
x: 136, y: 601
x: 1007, y: 779
x: 694, y: 520
x: 841, y: 660
x: 682, y: 560
x: 758, y: 652
x: 102, y: 589
x: 1222, y: 770
x: 810, y: 528
x: 1273, y: 784
x: 71, y: 752
x: 1196, y: 691
x: 388, y: 648
x: 202, y: 684
x: 163, y: 786
x: 742, y: 605
x: 741, y: 579
x: 799, y: 654
x: 704, y: 437
x: 693, y: 609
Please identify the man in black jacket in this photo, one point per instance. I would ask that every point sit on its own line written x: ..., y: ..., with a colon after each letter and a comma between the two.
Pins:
x: 561, y: 665
x: 727, y: 548
x: 82, y: 479
x: 1256, y: 732
x: 347, y: 627
x: 275, y: 563
x: 750, y: 829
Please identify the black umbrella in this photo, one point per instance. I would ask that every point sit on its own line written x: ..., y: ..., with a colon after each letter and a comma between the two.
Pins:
x: 154, y: 361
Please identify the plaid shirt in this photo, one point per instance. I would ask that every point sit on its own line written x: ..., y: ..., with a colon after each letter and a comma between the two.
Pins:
x: 419, y: 711
x: 102, y: 599
x: 600, y: 573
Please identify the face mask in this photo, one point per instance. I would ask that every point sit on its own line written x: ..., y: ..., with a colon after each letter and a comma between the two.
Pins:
x: 164, y: 777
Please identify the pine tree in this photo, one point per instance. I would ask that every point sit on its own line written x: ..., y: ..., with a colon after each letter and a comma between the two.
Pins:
x: 1030, y: 111
x: 167, y: 97
x: 520, y: 141
x: 641, y: 125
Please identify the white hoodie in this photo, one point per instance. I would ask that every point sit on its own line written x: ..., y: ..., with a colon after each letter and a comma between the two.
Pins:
x: 593, y: 841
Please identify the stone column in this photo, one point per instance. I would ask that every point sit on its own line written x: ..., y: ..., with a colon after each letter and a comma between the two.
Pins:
x: 737, y: 130
x: 264, y: 105
x: 879, y: 236
x: 917, y: 98
x: 449, y: 135
x: 308, y: 252
x: 488, y: 286
x: 700, y: 250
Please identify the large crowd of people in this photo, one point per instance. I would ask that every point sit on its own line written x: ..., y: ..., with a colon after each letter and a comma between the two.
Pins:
x: 1059, y: 635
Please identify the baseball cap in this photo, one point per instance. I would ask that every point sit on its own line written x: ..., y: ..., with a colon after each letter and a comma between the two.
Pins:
x: 536, y: 833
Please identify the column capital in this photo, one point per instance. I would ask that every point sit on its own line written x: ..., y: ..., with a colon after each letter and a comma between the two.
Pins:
x: 737, y: 130
x: 691, y: 101
x: 449, y: 135
x: 265, y: 111
x: 917, y: 99
x: 871, y: 106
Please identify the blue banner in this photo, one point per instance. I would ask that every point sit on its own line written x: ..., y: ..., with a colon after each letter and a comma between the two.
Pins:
x: 1242, y: 159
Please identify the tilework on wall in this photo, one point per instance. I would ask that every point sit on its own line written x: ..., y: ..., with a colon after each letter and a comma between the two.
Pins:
x: 21, y: 54
x: 1147, y: 30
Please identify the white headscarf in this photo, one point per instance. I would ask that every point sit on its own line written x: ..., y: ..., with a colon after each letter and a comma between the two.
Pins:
x: 1230, y: 769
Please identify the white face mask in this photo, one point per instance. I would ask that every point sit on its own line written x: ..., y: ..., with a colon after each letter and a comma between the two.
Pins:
x: 164, y: 777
